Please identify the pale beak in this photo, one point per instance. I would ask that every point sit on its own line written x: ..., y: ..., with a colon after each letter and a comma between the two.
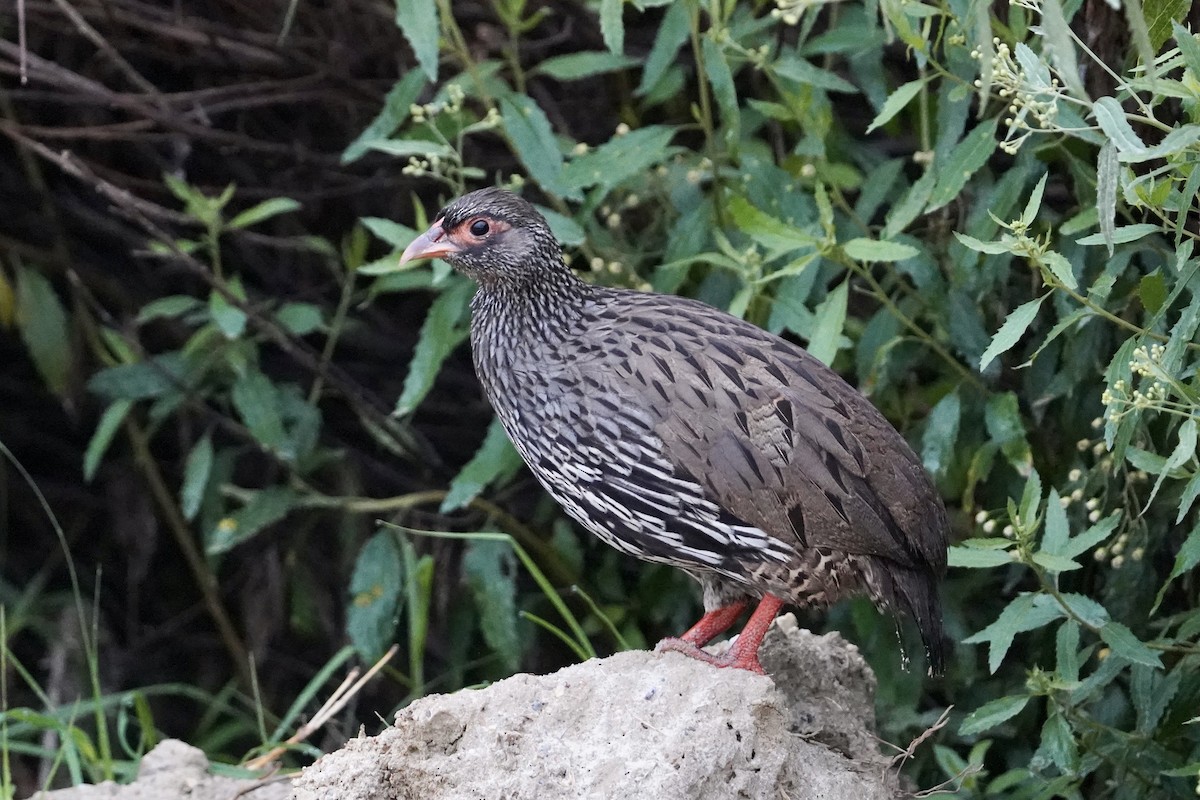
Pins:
x: 433, y: 243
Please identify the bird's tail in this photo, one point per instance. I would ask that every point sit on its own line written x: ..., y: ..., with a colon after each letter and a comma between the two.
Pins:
x: 914, y: 593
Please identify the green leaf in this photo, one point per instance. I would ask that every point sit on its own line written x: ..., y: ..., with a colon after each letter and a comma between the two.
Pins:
x: 1185, y: 448
x: 393, y: 114
x: 1152, y: 291
x: 418, y: 21
x: 672, y: 33
x: 566, y: 230
x: 1127, y: 646
x: 395, y: 234
x: 991, y: 714
x: 158, y: 376
x: 720, y: 78
x: 45, y: 328
x: 300, y: 319
x: 941, y: 434
x: 442, y: 332
x: 1123, y: 234
x: 1111, y: 119
x: 1108, y: 173
x: 1014, y: 327
x: 991, y: 248
x: 257, y: 402
x: 229, y: 319
x: 1066, y: 647
x: 490, y: 569
x: 573, y: 66
x: 533, y: 141
x: 961, y: 163
x: 1023, y: 613
x: 1189, y: 47
x: 612, y: 26
x: 1058, y: 744
x: 896, y: 101
x: 871, y: 250
x: 175, y: 305
x: 263, y: 211
x: 620, y: 158
x: 978, y: 558
x: 1091, y: 537
x: 496, y: 460
x: 801, y: 71
x: 1055, y: 563
x: 830, y: 319
x: 196, y: 472
x: 1057, y: 530
x: 1152, y: 692
x: 777, y: 236
x: 106, y: 428
x: 405, y: 148
x: 909, y: 207
x: 265, y: 508
x: 376, y: 594
x: 1060, y: 268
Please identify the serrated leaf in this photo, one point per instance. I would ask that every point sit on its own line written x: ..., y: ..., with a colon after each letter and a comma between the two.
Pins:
x: 896, y: 102
x: 1055, y: 563
x: 228, y: 318
x: 567, y: 231
x: 830, y: 319
x: 395, y: 111
x: 44, y: 328
x: 777, y: 236
x: 1057, y: 530
x: 265, y: 508
x: 963, y: 161
x: 1189, y: 47
x: 1093, y: 536
x: 990, y: 248
x: 376, y: 596
x: 1123, y: 234
x: 1185, y: 560
x: 1014, y: 327
x: 257, y: 402
x: 496, y: 459
x: 977, y: 558
x: 440, y: 334
x: 196, y: 472
x: 1185, y: 448
x: 175, y: 305
x: 533, y: 141
x: 106, y: 428
x: 490, y: 569
x: 1022, y: 614
x: 911, y: 204
x: 991, y: 714
x: 1112, y: 120
x: 263, y: 211
x: 1127, y: 646
x: 871, y: 250
x: 1034, y: 203
x: 573, y: 66
x: 620, y: 158
x: 418, y: 21
x: 1058, y: 744
x: 1060, y: 268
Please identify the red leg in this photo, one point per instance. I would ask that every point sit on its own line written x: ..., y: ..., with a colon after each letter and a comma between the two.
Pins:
x: 744, y: 653
x: 713, y: 624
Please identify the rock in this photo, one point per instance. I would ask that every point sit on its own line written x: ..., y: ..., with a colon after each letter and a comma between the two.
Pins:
x: 174, y: 770
x: 635, y: 725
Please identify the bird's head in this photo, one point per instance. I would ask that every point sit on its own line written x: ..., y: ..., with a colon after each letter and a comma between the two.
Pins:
x: 492, y: 236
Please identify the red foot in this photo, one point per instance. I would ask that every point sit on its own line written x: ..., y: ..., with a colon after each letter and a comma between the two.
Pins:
x: 713, y: 624
x: 744, y: 653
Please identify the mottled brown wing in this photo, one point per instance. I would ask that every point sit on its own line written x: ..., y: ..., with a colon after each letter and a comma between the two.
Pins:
x: 783, y: 442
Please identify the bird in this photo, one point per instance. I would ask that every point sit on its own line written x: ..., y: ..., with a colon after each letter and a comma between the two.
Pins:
x: 683, y: 435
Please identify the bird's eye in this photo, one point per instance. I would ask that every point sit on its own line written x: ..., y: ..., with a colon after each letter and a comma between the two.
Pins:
x: 480, y: 228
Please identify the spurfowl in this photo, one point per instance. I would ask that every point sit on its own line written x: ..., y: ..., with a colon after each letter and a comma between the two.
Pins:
x: 683, y: 435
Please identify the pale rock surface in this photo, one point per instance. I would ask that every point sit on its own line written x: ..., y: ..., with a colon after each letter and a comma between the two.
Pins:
x: 174, y: 770
x: 635, y: 725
